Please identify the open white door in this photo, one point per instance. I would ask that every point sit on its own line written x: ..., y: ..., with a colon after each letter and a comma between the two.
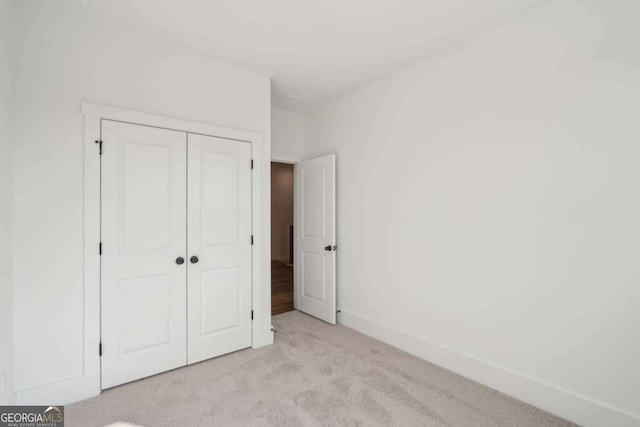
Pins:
x: 315, y: 259
x: 144, y: 274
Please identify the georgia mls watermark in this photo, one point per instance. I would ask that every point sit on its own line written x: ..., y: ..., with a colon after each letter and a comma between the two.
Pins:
x: 31, y: 416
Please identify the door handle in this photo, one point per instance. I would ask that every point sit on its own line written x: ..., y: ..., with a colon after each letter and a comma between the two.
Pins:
x: 179, y: 260
x: 330, y: 248
x: 194, y: 259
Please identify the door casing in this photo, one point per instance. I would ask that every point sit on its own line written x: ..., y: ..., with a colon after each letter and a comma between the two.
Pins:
x: 87, y: 383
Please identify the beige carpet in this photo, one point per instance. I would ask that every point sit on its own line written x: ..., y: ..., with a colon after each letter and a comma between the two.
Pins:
x: 314, y: 374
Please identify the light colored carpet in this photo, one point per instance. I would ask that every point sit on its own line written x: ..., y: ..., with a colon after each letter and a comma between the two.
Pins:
x: 314, y: 374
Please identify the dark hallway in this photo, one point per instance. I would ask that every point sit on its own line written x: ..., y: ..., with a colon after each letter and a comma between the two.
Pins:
x: 281, y: 237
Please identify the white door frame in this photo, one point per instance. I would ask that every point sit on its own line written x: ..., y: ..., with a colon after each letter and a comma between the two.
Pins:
x: 87, y: 383
x: 294, y: 160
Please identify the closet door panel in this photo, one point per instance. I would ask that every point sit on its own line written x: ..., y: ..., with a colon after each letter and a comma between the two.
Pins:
x: 143, y: 289
x: 219, y: 235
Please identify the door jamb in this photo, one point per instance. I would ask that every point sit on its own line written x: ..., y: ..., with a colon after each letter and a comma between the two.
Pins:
x: 88, y: 383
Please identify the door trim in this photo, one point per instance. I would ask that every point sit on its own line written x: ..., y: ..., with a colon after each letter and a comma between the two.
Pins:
x: 87, y: 384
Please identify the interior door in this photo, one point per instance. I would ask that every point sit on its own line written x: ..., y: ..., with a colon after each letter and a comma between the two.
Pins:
x: 143, y: 247
x: 219, y: 243
x: 315, y: 260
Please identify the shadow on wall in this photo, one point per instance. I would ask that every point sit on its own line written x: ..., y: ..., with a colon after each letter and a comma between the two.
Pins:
x: 281, y: 210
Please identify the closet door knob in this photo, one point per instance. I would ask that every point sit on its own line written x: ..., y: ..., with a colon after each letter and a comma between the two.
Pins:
x: 194, y: 259
x: 179, y: 260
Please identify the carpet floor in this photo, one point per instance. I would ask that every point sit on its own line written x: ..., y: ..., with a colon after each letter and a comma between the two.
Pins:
x: 314, y: 374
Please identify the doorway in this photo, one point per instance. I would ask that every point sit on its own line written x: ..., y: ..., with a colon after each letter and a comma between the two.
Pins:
x: 282, y: 237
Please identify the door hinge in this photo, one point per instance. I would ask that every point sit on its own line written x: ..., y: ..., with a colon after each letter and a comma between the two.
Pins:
x: 100, y: 349
x: 251, y: 314
x: 100, y: 248
x: 252, y: 164
x: 252, y: 239
x: 99, y: 142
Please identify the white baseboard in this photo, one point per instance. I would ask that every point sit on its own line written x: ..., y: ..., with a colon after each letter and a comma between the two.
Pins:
x: 62, y: 392
x: 556, y: 400
x: 6, y: 393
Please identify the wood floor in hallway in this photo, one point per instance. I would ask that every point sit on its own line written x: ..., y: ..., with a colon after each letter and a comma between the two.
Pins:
x: 281, y: 287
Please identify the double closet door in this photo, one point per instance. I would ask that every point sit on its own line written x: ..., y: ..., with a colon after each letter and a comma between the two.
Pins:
x: 175, y: 249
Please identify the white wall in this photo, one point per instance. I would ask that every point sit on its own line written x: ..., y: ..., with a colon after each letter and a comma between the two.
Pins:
x: 65, y: 56
x: 287, y: 135
x: 488, y: 208
x: 6, y: 339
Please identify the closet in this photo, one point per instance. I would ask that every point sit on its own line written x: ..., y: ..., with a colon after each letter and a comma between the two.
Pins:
x: 175, y: 249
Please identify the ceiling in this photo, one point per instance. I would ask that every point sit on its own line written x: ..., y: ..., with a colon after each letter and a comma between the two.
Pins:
x: 314, y: 50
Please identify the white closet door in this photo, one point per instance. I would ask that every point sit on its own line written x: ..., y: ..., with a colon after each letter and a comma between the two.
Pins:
x: 143, y: 234
x: 219, y: 230
x: 315, y: 259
